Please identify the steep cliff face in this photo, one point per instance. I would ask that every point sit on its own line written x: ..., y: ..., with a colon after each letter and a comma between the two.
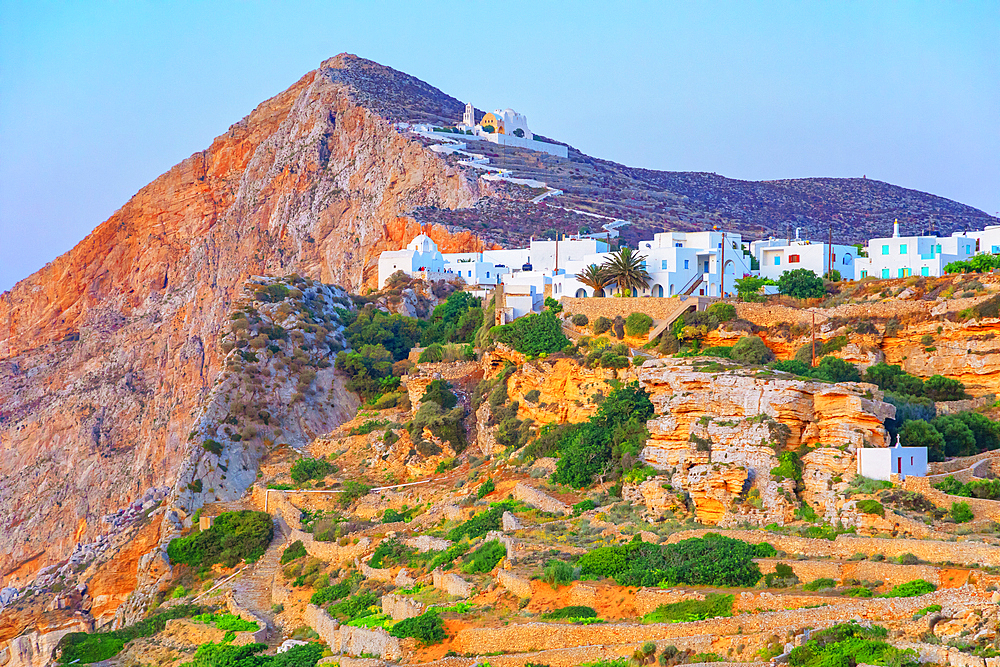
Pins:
x: 107, y: 353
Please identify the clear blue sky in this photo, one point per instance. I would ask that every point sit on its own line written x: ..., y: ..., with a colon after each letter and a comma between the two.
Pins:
x: 99, y: 98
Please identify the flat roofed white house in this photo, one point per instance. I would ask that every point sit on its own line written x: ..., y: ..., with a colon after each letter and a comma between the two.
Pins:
x: 903, y: 256
x: 881, y: 462
x: 420, y: 258
x: 987, y: 240
x: 678, y: 263
x: 776, y: 256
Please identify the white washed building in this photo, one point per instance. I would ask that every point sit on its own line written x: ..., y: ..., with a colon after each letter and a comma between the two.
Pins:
x: 880, y: 462
x: 420, y: 258
x: 779, y: 255
x: 902, y: 256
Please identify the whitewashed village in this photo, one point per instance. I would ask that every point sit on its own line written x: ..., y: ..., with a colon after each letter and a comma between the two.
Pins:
x: 703, y: 447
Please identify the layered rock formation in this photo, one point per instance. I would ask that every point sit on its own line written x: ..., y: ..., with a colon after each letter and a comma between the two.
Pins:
x: 107, y: 353
x: 717, y: 436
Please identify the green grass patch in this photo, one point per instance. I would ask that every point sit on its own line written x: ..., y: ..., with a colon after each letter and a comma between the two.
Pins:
x: 713, y: 606
x: 95, y: 647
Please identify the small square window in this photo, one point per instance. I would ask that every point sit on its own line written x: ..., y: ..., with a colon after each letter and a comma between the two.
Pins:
x: 777, y: 260
x: 885, y: 250
x: 902, y: 248
x: 793, y: 259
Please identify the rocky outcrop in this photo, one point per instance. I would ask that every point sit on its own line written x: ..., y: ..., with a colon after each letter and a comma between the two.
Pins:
x: 108, y: 352
x: 717, y: 436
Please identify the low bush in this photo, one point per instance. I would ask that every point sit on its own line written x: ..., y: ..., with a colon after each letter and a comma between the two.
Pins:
x: 427, y: 628
x: 580, y: 320
x: 532, y: 334
x: 481, y: 523
x: 751, y: 350
x: 558, y: 573
x: 601, y: 325
x: 234, y: 536
x: 228, y: 655
x: 574, y: 611
x: 87, y: 648
x: 485, y: 558
x: 988, y: 489
x: 961, y: 512
x: 911, y: 589
x: 713, y: 606
x: 227, y: 622
x: 352, y: 490
x: 294, y: 550
x: 723, y: 312
x: 307, y: 468
x: 849, y: 644
x: 871, y: 506
x: 638, y: 324
x: 819, y: 584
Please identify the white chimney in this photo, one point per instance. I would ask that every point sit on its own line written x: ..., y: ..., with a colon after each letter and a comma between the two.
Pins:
x: 895, y: 229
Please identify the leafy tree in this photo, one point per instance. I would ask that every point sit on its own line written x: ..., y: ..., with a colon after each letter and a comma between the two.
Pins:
x: 595, y: 278
x: 553, y: 304
x: 431, y: 354
x: 608, y: 444
x: 751, y: 350
x: 833, y: 276
x: 440, y: 392
x: 985, y: 431
x: 456, y: 320
x: 748, y: 288
x: 369, y: 370
x: 294, y: 550
x: 921, y: 434
x: 801, y: 284
x: 533, y: 334
x: 371, y: 326
x: 961, y: 512
x: 940, y: 388
x: 958, y: 437
x: 834, y: 369
x: 625, y: 268
x: 792, y: 366
x: 723, y: 312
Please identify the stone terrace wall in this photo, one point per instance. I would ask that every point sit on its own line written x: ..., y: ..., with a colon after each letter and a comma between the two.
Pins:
x: 656, y: 307
x: 350, y: 640
x: 890, y: 573
x: 400, y: 606
x: 769, y: 315
x: 517, y: 585
x: 961, y: 463
x: 452, y: 584
x: 964, y: 553
x: 544, y: 636
x: 580, y: 655
x: 540, y: 500
x: 331, y: 551
x: 981, y: 508
x: 234, y: 608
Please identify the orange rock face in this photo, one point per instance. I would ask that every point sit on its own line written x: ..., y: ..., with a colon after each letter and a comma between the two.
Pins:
x: 107, y: 352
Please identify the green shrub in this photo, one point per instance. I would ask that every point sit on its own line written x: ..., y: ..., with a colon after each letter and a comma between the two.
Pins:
x: 356, y: 606
x: 609, y: 442
x: 789, y: 467
x: 723, y: 312
x: 533, y: 334
x: 353, y: 490
x: 87, y: 648
x: 849, y: 644
x: 988, y: 489
x: 558, y: 573
x: 940, y: 388
x: 638, y: 324
x: 958, y: 437
x: 858, y: 592
x: 439, y: 391
x: 712, y: 560
x: 817, y: 584
x: 431, y: 354
x: 388, y: 553
x: 714, y: 605
x: 580, y: 320
x: 212, y: 446
x: 234, y: 536
x: 227, y: 655
x: 782, y: 577
x: 481, y: 523
x: 294, y: 550
x: 227, y: 622
x: 427, y: 628
x: 486, y: 488
x: 751, y: 350
x: 721, y: 351
x: 918, y: 433
x: 307, y: 468
x: 911, y: 589
x: 601, y: 325
x: 485, y: 558
x: 871, y: 506
x: 574, y: 611
x: 961, y: 512
x: 584, y: 505
x: 533, y: 396
x: 801, y: 284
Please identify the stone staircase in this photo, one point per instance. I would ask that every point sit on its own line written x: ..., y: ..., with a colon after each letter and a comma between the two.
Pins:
x: 252, y: 589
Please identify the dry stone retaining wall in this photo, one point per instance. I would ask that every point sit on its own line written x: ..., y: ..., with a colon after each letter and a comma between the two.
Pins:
x: 981, y: 507
x: 543, y: 636
x: 890, y: 573
x: 351, y: 640
x: 425, y: 543
x: 247, y: 615
x: 515, y: 584
x: 963, y: 553
x: 540, y: 500
x: 331, y: 551
x: 658, y: 308
x: 452, y: 584
x: 400, y: 607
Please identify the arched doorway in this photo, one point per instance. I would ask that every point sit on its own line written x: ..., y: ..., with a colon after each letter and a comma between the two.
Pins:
x: 581, y: 293
x: 657, y: 290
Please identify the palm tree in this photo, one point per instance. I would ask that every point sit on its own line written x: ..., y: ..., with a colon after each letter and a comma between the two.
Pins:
x: 625, y: 268
x: 595, y: 278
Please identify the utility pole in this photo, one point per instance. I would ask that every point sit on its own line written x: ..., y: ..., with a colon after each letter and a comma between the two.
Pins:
x: 813, y: 364
x: 830, y: 249
x: 722, y: 280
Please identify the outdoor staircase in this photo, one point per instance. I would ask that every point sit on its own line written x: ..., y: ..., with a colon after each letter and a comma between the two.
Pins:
x: 683, y: 306
x: 252, y: 589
